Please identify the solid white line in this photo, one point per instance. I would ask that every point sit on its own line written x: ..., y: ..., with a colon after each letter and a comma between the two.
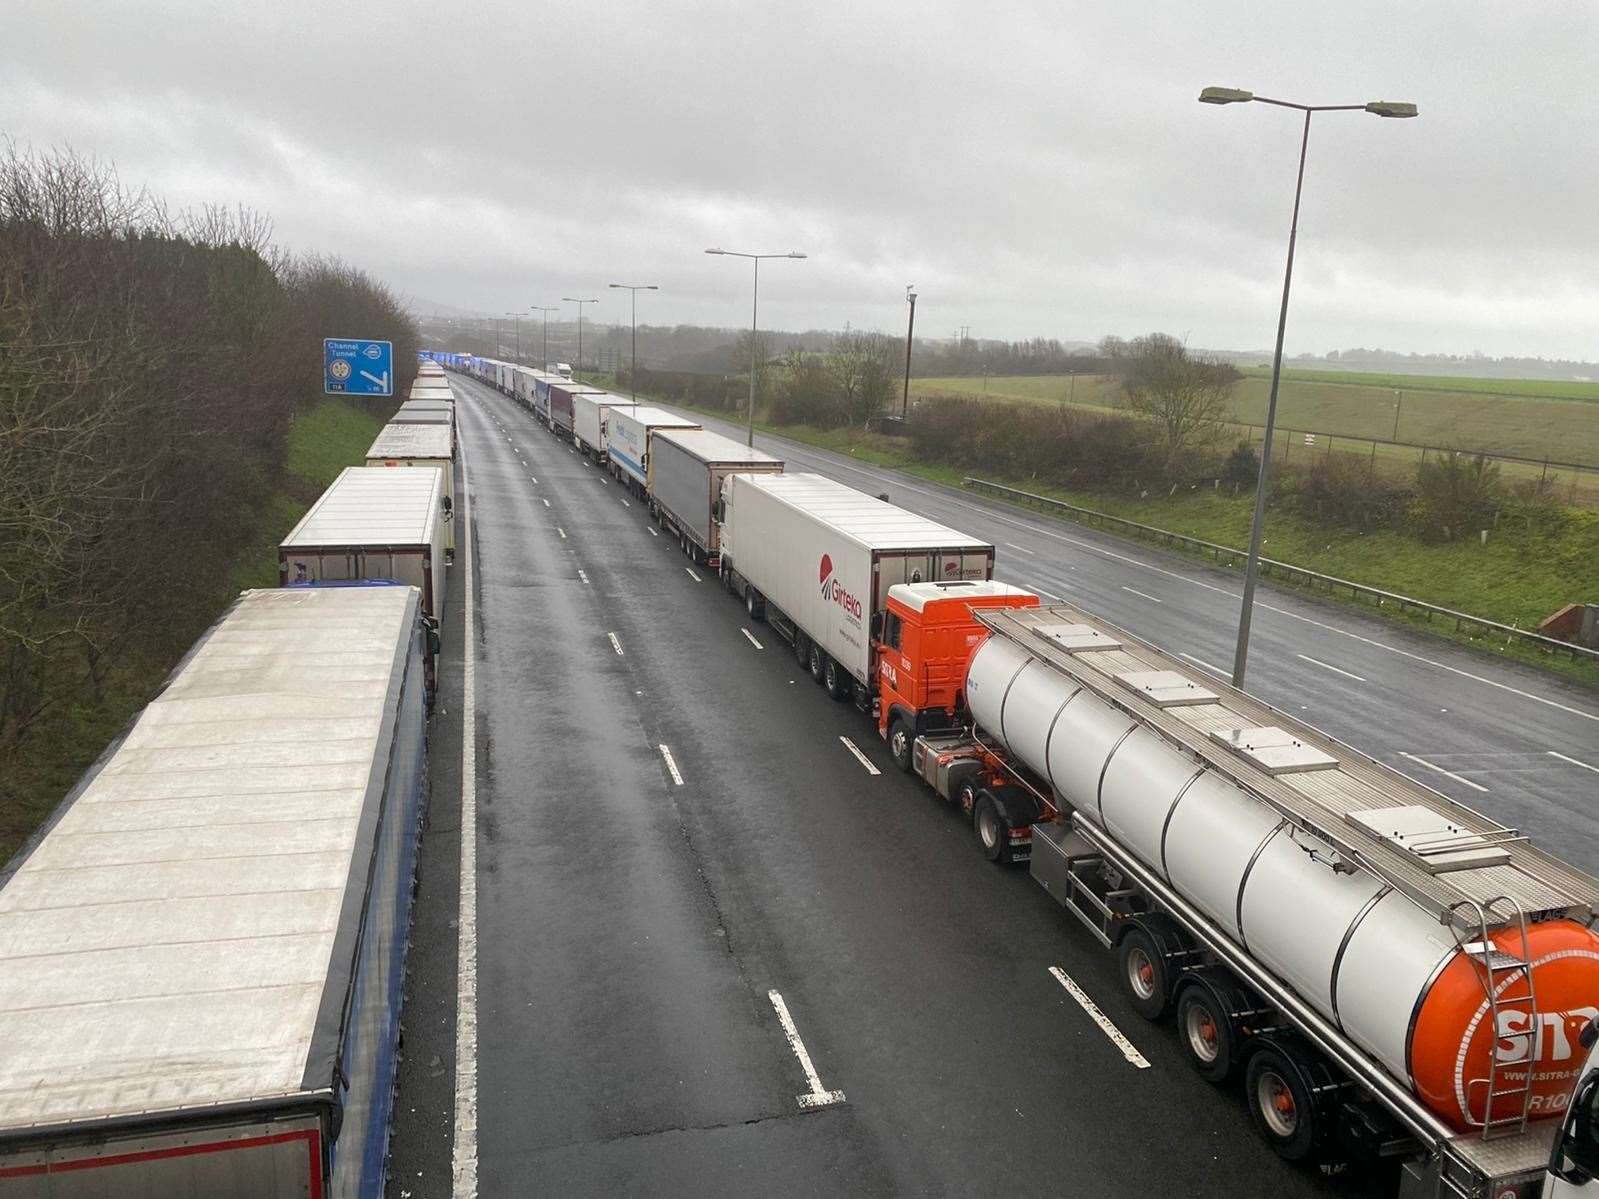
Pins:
x: 561, y: 531
x: 692, y: 575
x: 1329, y: 666
x: 463, y: 1167
x: 818, y: 1096
x: 1441, y: 770
x: 1557, y: 754
x: 1215, y: 670
x: 1117, y: 1038
x: 859, y: 756
x: 1143, y: 594
x: 751, y: 637
x: 615, y: 644
x: 1022, y: 548
x: 652, y: 532
x: 582, y: 575
x: 671, y: 765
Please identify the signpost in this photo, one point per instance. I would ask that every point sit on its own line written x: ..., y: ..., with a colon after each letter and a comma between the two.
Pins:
x: 357, y: 368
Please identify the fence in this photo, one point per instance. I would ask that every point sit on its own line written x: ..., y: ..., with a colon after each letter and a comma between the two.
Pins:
x: 1286, y: 571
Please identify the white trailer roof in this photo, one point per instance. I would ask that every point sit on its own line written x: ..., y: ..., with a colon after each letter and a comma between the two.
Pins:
x: 167, y: 942
x: 873, y: 523
x: 427, y: 403
x: 660, y: 418
x: 712, y: 447
x: 411, y: 441
x: 369, y: 505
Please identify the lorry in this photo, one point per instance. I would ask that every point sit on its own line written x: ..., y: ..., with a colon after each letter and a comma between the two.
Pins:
x: 686, y: 471
x: 816, y: 560
x: 203, y: 965
x: 418, y: 445
x: 1392, y: 975
x: 628, y: 439
x: 591, y: 419
x: 562, y: 416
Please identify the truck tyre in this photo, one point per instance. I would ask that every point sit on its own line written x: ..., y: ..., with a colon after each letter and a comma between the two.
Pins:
x: 802, y: 650
x: 1143, y: 974
x: 965, y: 797
x: 993, y: 835
x: 753, y: 604
x: 816, y: 660
x: 1207, y: 1034
x: 1280, y: 1104
x: 900, y: 740
x: 837, y: 682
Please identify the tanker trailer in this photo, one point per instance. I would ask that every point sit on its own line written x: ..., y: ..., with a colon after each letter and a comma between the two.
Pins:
x: 1391, y: 972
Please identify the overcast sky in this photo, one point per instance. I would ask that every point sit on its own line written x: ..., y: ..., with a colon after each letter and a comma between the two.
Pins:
x: 1035, y: 169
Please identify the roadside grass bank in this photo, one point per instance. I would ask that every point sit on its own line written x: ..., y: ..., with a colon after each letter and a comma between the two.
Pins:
x: 324, y: 438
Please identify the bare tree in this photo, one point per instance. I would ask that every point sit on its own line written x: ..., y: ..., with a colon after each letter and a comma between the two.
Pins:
x: 1187, y: 396
x: 862, y: 368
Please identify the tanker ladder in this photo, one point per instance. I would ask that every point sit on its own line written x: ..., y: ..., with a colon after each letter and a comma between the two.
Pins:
x: 1506, y: 980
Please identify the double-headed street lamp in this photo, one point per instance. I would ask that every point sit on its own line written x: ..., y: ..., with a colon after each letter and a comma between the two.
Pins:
x: 579, y: 303
x: 1230, y: 95
x: 546, y: 312
x: 749, y: 438
x: 634, y: 289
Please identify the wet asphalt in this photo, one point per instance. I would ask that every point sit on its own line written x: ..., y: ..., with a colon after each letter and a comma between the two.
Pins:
x: 631, y: 929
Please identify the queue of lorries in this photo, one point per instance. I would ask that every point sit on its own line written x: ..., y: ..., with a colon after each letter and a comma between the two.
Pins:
x: 202, y: 952
x: 1388, y: 973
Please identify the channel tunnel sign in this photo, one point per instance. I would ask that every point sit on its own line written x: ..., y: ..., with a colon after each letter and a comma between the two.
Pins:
x: 357, y: 368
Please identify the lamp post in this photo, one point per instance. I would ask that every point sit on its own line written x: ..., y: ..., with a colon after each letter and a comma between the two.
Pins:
x: 518, y: 316
x: 632, y: 372
x: 546, y: 312
x: 910, y: 332
x: 755, y: 301
x: 1229, y: 95
x: 579, y: 303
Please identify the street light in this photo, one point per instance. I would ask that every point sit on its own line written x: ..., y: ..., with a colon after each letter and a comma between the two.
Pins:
x: 579, y: 303
x: 634, y: 289
x: 755, y: 301
x: 1230, y: 95
x: 910, y: 331
x: 546, y: 311
x: 518, y: 316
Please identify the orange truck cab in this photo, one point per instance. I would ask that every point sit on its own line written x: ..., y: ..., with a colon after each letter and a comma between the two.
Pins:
x: 928, y: 635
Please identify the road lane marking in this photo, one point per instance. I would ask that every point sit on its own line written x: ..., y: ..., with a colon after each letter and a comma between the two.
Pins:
x: 1022, y: 548
x: 625, y: 504
x: 1215, y: 670
x: 532, y: 476
x: 615, y: 644
x: 652, y: 532
x: 859, y: 756
x: 1050, y: 595
x: 1329, y: 666
x: 692, y: 575
x: 546, y: 502
x: 1143, y: 595
x: 561, y: 531
x: 818, y: 1095
x: 1117, y: 1038
x: 463, y: 1152
x: 582, y: 575
x: 671, y: 765
x: 1441, y: 770
x: 751, y: 637
x: 1557, y: 754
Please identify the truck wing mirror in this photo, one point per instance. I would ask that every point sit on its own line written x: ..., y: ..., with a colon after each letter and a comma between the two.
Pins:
x: 1575, y: 1158
x: 877, y: 624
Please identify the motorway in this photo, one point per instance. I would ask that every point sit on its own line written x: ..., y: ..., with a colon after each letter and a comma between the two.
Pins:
x: 678, y: 839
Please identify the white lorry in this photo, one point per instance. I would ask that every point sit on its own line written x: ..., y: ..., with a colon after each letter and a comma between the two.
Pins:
x: 627, y: 444
x: 686, y: 470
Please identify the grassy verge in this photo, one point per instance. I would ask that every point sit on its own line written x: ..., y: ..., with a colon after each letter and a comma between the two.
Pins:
x: 325, y: 438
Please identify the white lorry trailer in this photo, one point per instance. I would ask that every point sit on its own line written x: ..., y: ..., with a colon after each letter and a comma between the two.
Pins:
x: 203, y: 951
x: 628, y: 438
x: 817, y: 558
x: 686, y: 470
x: 591, y: 421
x: 418, y: 445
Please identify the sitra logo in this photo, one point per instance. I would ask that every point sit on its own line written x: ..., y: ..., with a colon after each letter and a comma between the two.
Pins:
x: 834, y: 590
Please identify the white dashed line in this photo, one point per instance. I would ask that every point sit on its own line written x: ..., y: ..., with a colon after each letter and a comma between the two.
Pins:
x: 751, y: 637
x: 692, y: 575
x: 818, y: 1096
x: 671, y: 765
x: 561, y: 531
x: 1442, y: 771
x: 652, y: 532
x: 1557, y: 754
x: 1143, y: 595
x: 1329, y: 666
x: 1022, y: 548
x: 546, y: 502
x: 532, y: 476
x: 1117, y: 1038
x: 1215, y: 670
x: 859, y: 756
x: 615, y: 644
x: 625, y: 504
x: 582, y: 575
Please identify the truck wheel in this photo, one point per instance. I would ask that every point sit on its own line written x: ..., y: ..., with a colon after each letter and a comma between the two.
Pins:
x: 992, y: 834
x: 1143, y: 971
x: 816, y: 660
x: 1207, y: 1033
x: 965, y: 798
x: 899, y: 743
x: 802, y: 650
x: 753, y: 604
x: 836, y: 681
x: 1280, y: 1104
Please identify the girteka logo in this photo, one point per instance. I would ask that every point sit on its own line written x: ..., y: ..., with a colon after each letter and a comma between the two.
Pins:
x: 834, y: 590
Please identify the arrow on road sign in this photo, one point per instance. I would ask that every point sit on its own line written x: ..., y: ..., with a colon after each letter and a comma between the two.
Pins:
x: 379, y: 381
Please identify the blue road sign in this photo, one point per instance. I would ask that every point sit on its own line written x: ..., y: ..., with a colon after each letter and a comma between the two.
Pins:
x: 357, y: 368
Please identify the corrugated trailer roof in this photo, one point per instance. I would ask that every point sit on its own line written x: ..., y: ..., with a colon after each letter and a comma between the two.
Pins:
x: 368, y: 505
x: 862, y: 518
x: 412, y: 441
x: 656, y: 418
x: 713, y: 449
x: 165, y: 942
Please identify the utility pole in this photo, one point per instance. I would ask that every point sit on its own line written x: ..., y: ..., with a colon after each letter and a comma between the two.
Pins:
x: 910, y: 333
